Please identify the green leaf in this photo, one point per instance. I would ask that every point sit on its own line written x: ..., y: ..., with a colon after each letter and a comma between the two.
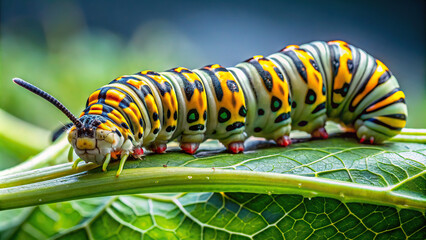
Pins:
x: 214, y: 216
x: 392, y: 174
x: 312, y: 189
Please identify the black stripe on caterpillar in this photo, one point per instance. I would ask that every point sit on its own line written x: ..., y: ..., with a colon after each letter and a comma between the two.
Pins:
x: 299, y: 87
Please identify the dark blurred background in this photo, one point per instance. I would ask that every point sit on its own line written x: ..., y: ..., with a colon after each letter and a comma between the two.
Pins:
x: 71, y: 48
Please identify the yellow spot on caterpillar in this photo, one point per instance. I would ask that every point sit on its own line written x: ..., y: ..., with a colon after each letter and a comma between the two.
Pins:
x: 86, y: 143
x: 94, y: 97
x: 291, y: 47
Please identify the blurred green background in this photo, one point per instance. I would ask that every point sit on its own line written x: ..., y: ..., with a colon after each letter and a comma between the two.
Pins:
x: 70, y: 48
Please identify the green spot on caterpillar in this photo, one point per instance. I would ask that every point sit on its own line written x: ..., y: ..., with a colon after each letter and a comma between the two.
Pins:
x: 223, y: 115
x: 192, y: 116
x: 259, y: 92
x: 276, y: 104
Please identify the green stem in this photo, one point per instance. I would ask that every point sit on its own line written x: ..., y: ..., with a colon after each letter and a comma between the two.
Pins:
x: 409, y: 138
x: 178, y: 179
x: 414, y: 135
x: 42, y: 174
x: 413, y: 131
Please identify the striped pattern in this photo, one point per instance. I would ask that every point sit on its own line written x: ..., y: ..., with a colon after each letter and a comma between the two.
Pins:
x: 299, y: 87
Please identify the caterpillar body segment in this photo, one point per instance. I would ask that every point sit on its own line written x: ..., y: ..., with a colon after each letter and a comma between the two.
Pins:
x: 299, y: 87
x: 225, y: 97
x: 167, y: 102
x: 192, y: 101
x: 356, y: 82
x: 271, y: 115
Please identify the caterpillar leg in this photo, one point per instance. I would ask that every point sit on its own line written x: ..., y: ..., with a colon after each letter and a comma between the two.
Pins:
x: 236, y: 147
x: 372, y: 131
x: 379, y: 128
x: 74, y: 166
x: 190, y: 148
x: 122, y: 161
x: 368, y: 135
x: 362, y: 139
x: 70, y: 154
x: 382, y: 119
x: 158, y: 147
x: 235, y: 142
x: 283, y: 141
x: 320, y: 133
x: 106, y: 162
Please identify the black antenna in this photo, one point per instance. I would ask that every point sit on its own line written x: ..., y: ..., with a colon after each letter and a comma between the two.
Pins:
x: 49, y: 98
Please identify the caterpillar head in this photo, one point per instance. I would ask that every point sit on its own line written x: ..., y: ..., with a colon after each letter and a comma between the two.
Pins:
x: 95, y: 138
x: 92, y: 136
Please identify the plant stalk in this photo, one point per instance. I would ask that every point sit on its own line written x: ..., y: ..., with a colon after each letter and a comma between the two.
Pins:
x: 178, y: 179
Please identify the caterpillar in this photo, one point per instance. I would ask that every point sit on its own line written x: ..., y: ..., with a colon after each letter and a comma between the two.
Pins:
x: 299, y: 87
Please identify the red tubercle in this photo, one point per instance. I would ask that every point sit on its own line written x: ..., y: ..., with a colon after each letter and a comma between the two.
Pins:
x: 190, y: 148
x: 236, y: 147
x: 137, y: 152
x: 159, y: 148
x: 283, y: 141
x: 320, y: 133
